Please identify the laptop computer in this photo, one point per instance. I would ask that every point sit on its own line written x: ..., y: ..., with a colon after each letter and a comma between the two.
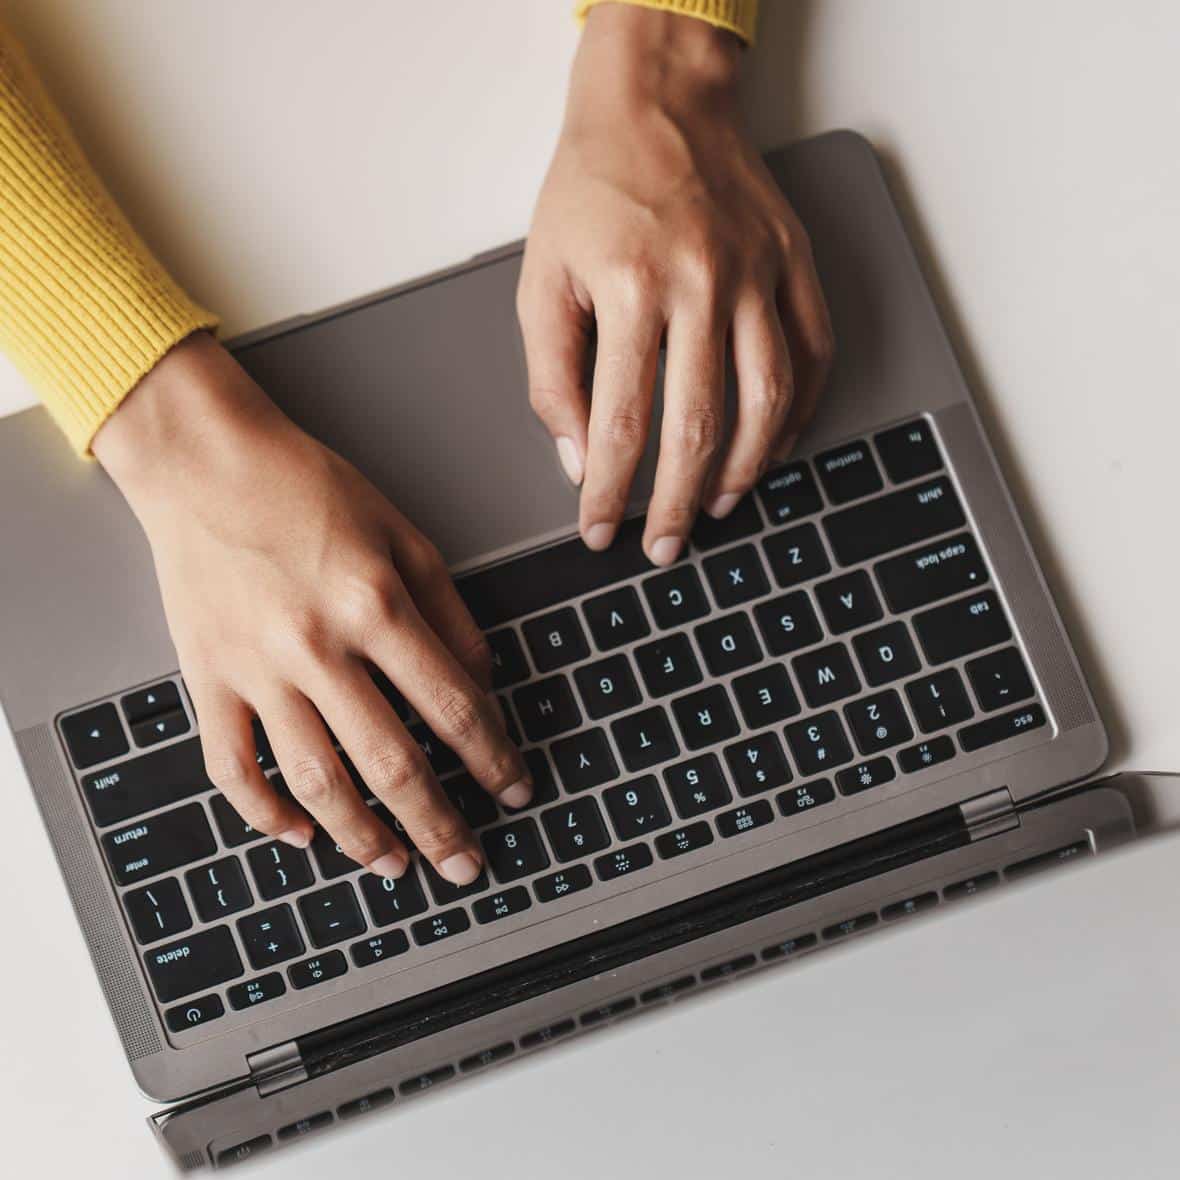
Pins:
x: 851, y: 701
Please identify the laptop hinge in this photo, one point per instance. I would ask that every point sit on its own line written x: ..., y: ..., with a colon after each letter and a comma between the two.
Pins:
x: 990, y: 814
x: 277, y: 1068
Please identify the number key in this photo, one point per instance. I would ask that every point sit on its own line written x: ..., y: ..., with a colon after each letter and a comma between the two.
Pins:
x: 697, y: 785
x: 939, y: 700
x: 757, y: 764
x: 575, y: 829
x: 818, y: 743
x: 514, y: 850
x: 637, y: 808
x: 878, y: 722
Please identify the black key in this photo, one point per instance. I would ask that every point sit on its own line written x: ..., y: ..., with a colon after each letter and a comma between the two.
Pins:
x: 270, y: 936
x: 665, y: 991
x: 331, y: 915
x: 849, y: 472
x: 886, y: 653
x: 683, y: 840
x: 848, y: 601
x: 789, y: 947
x: 510, y: 726
x: 728, y: 643
x: 909, y: 450
x: 369, y: 1102
x: 501, y: 905
x: 676, y: 596
x: 256, y: 991
x: 668, y: 665
x: 818, y: 743
x: 192, y: 964
x: 264, y: 755
x: 788, y: 623
x: 561, y: 884
x: 743, y: 521
x: 424, y: 1081
x: 157, y: 911
x: 159, y: 844
x: 878, y: 722
x: 471, y: 801
x: 826, y: 674
x: 514, y: 850
x: 219, y: 889
x: 392, y: 899
x: 789, y: 493
x: 616, y: 618
x: 145, y: 783
x: 757, y: 764
x: 736, y: 576
x: 1049, y: 860
x: 329, y: 857
x: 697, y: 785
x: 575, y: 829
x: 1001, y: 727
x: 160, y: 728
x: 644, y: 738
x: 378, y: 947
x: 744, y: 818
x: 705, y: 718
x: 865, y: 775
x: 439, y: 926
x: 556, y: 639
x: 623, y: 861
x: 147, y: 702
x: 194, y: 1012
x: 637, y: 807
x: 444, y: 892
x: 607, y: 687
x: 930, y: 572
x: 243, y: 1151
x: 930, y: 753
x: 509, y: 665
x: 584, y: 760
x: 318, y: 969
x: 893, y: 521
x: 999, y: 679
x: 939, y: 700
x: 94, y: 735
x: 544, y: 784
x: 546, y: 708
x: 797, y: 800
x: 961, y: 627
x: 279, y: 869
x: 765, y: 696
x: 850, y: 926
x: 442, y: 759
x: 911, y: 905
x: 607, y: 1011
x: 796, y: 555
x: 234, y: 830
x: 971, y: 886
x: 305, y: 1126
x: 722, y: 970
x: 486, y: 1057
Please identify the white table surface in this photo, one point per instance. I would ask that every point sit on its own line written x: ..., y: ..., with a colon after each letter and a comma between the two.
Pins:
x: 284, y: 155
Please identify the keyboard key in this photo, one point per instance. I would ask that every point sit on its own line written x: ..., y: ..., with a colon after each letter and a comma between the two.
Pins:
x: 424, y: 1081
x: 939, y: 700
x: 622, y: 862
x: 1079, y: 849
x: 329, y: 857
x: 728, y: 643
x: 514, y: 850
x: 193, y: 1013
x: 788, y: 623
x: 878, y: 722
x: 318, y: 969
x: 736, y: 576
x: 544, y: 784
x: 1001, y: 727
x: 893, y: 521
x: 256, y: 991
x: 723, y: 970
x: 930, y: 753
x: 865, y: 775
x: 676, y: 596
x: 234, y: 830
x: 369, y: 1102
x: 331, y: 915
x: 193, y: 964
x: 931, y: 572
x: 848, y: 602
x: 444, y: 893
x: 961, y: 627
x: 796, y: 555
x: 745, y: 818
x: 392, y: 899
x: 471, y: 801
x: 849, y: 472
x: 243, y: 1151
x: 697, y: 785
x: 797, y: 800
x: 850, y: 926
x: 665, y: 991
x: 219, y: 889
x: 142, y: 784
x: 999, y: 679
x: 911, y: 905
x: 668, y: 665
x: 607, y: 687
x: 636, y: 808
x: 644, y: 738
x: 607, y: 1011
x: 264, y: 754
x: 270, y: 936
x: 616, y: 618
x: 682, y: 840
x: 584, y: 760
x: 705, y: 718
x: 744, y: 521
x: 789, y: 947
x: 147, y: 702
x: 157, y: 911
x: 509, y: 665
x: 486, y: 1057
x: 94, y: 735
x: 757, y: 764
x: 378, y: 947
x: 556, y: 639
x: 439, y: 926
x: 563, y: 883
x: 159, y: 844
x: 765, y: 696
x: 442, y: 759
x: 909, y: 450
x: 305, y: 1126
x: 825, y: 675
x: 501, y: 905
x: 971, y: 886
x: 886, y: 653
x: 789, y: 493
x: 279, y: 869
x: 546, y: 708
x: 818, y: 744
x: 575, y: 829
x: 160, y: 728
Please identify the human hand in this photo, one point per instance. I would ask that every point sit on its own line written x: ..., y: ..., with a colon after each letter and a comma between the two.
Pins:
x: 658, y: 219
x: 286, y: 575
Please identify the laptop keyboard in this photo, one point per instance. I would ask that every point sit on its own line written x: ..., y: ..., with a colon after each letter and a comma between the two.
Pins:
x: 836, y: 632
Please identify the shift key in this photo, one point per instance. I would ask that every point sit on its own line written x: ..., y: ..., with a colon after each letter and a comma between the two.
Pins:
x: 153, y: 780
x: 877, y: 526
x: 158, y: 844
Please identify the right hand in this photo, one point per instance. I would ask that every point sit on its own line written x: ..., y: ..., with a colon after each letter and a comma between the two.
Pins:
x: 285, y: 575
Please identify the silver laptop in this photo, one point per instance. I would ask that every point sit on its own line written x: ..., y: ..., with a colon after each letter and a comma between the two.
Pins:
x: 853, y: 700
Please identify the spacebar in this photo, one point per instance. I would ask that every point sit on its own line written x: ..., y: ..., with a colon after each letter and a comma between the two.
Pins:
x: 547, y: 577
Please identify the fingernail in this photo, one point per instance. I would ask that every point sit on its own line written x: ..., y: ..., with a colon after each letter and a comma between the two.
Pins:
x: 571, y: 459
x: 785, y: 447
x: 723, y: 505
x: 665, y: 550
x: 391, y: 864
x: 518, y: 794
x: 295, y: 837
x: 460, y: 869
x: 599, y: 536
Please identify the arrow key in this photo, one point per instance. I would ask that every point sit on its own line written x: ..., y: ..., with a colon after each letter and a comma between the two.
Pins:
x: 160, y: 728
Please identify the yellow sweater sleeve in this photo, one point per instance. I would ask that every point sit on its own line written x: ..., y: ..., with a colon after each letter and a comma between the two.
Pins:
x: 85, y: 310
x: 738, y: 16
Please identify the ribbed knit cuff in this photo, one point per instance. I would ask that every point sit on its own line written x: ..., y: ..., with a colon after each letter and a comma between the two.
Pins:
x: 738, y: 16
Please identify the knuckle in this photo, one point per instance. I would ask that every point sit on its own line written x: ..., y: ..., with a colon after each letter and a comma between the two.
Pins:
x: 365, y: 598
x: 625, y: 430
x: 394, y: 769
x: 636, y: 282
x: 766, y: 394
x: 475, y: 651
x: 696, y: 431
x: 228, y: 771
x: 312, y: 780
x: 439, y: 832
x: 677, y: 518
x: 459, y: 714
x: 361, y: 846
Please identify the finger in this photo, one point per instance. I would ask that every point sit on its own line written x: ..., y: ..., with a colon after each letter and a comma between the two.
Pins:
x: 227, y: 741
x: 764, y: 380
x: 317, y: 778
x: 620, y: 415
